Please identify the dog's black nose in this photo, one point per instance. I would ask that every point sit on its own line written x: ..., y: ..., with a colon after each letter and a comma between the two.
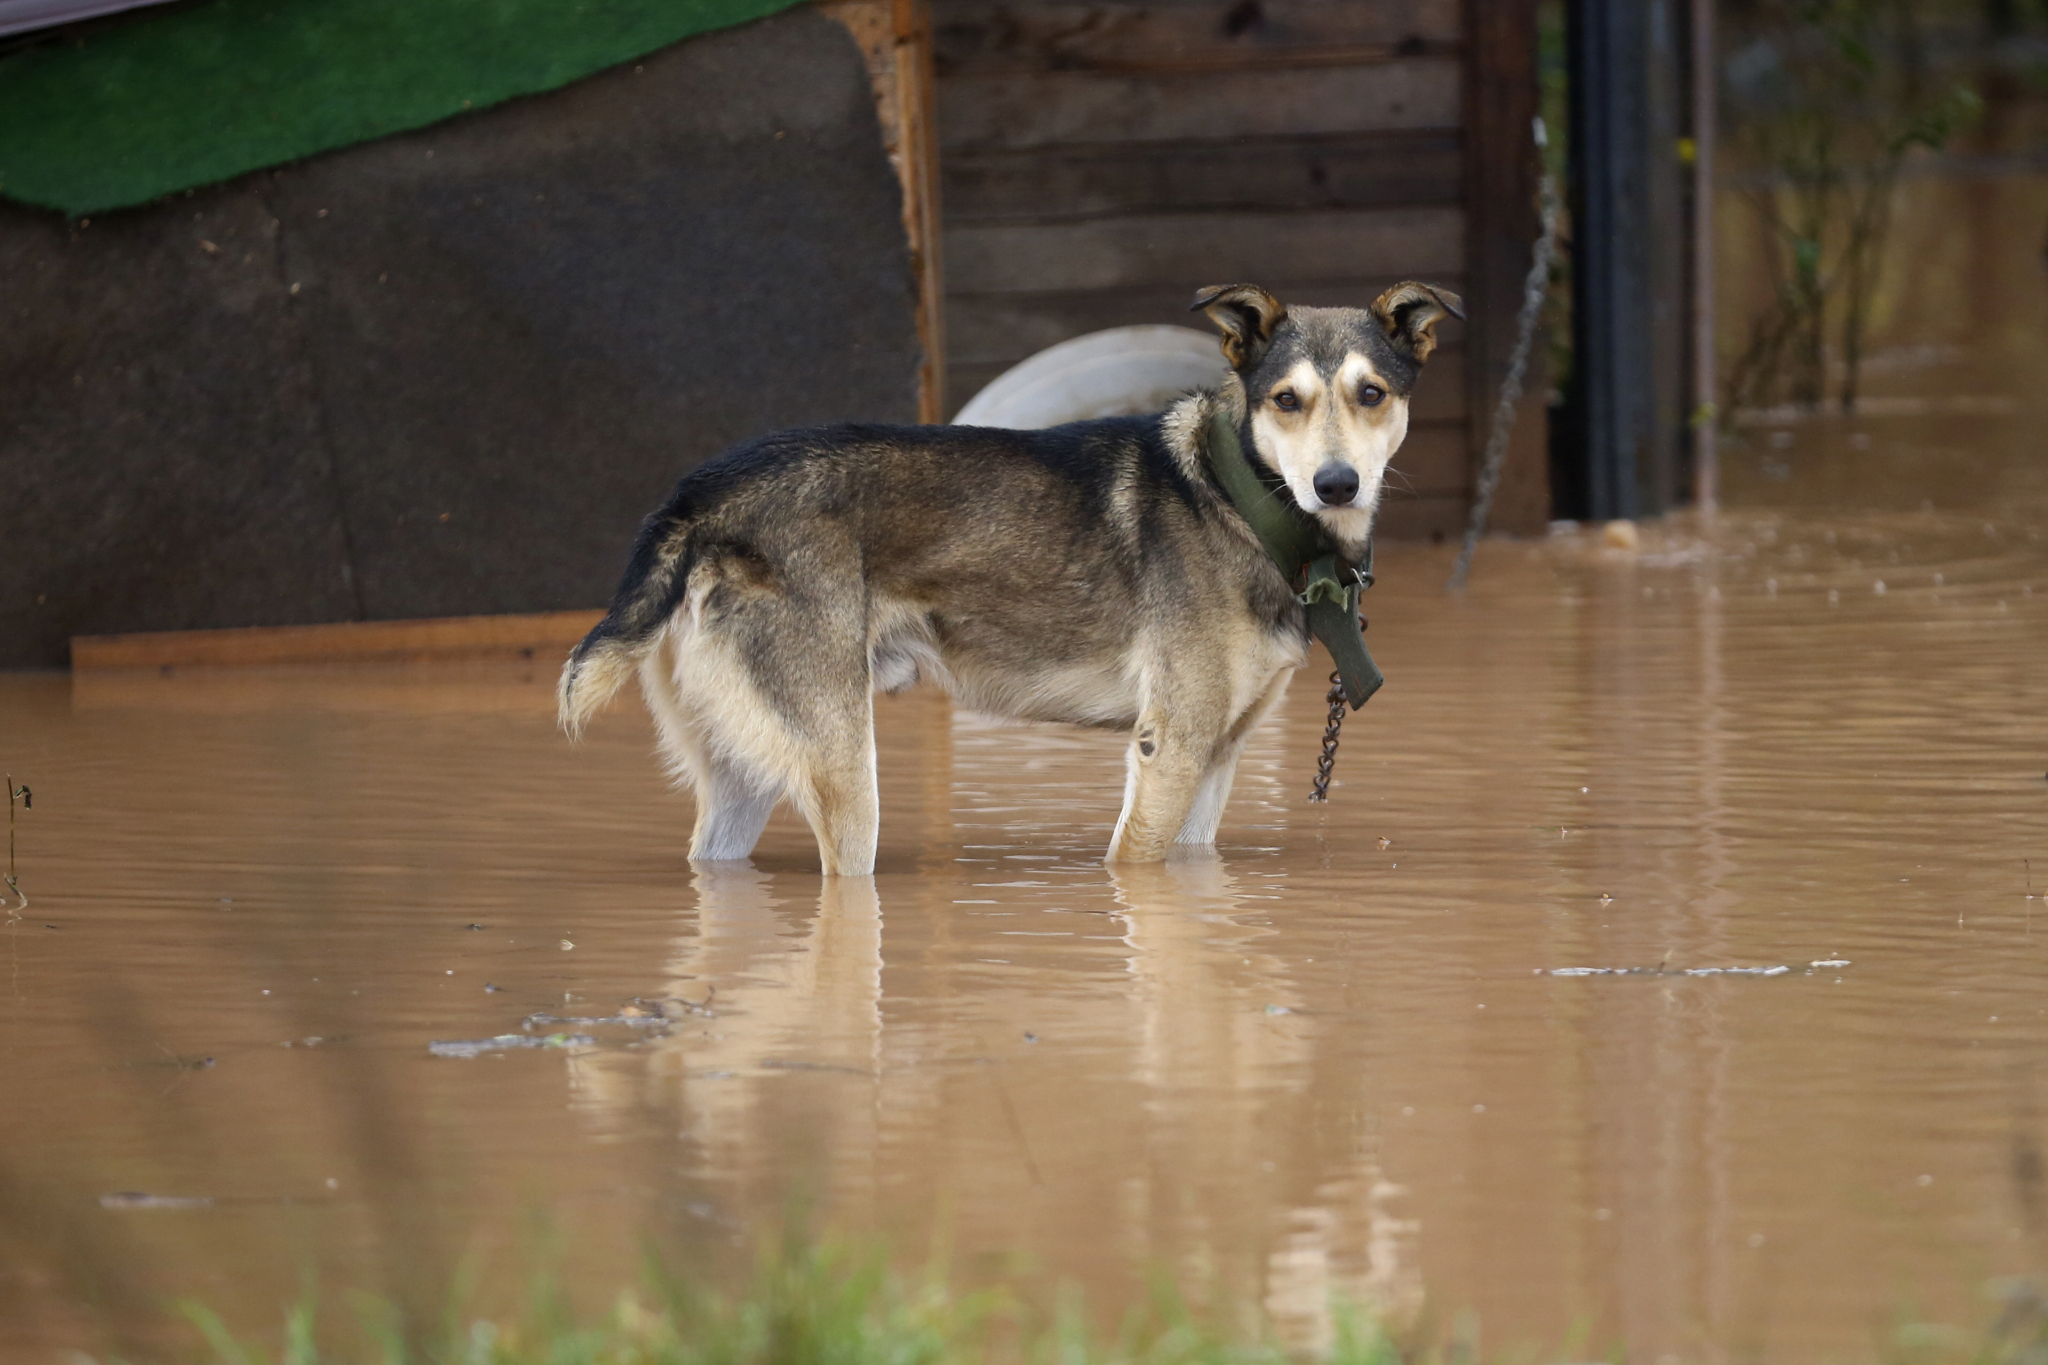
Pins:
x: 1336, y: 484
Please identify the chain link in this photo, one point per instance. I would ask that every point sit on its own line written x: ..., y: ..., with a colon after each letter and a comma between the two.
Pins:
x: 1321, y: 791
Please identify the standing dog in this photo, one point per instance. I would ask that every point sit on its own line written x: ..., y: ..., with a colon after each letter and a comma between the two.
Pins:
x: 1095, y: 573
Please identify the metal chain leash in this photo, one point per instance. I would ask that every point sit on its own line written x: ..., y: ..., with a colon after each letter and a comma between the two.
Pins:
x: 1320, y: 792
x: 1537, y: 285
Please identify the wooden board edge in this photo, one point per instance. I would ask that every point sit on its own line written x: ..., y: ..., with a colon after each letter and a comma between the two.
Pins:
x: 895, y: 40
x: 529, y: 636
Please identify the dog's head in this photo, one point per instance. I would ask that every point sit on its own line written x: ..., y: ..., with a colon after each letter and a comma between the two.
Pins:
x: 1326, y: 389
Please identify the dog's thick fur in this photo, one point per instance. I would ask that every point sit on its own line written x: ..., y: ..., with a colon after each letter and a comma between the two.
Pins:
x: 1093, y: 573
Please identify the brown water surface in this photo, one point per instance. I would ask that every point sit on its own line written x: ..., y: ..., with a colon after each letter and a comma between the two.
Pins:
x: 1328, y: 1062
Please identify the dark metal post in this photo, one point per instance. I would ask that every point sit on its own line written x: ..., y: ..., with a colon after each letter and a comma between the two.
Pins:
x: 1627, y: 255
x: 1610, y: 317
x: 1706, y: 459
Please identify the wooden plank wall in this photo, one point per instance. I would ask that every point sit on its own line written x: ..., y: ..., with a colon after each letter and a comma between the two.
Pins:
x: 1101, y: 160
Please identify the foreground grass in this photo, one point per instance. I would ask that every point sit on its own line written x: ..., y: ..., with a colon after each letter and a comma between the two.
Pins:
x: 807, y: 1304
x: 811, y: 1304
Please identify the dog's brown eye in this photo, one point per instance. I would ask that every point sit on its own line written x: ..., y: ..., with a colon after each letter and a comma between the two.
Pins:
x: 1371, y: 394
x: 1286, y: 401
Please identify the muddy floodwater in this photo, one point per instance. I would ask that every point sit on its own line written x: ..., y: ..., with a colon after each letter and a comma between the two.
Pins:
x: 1356, y: 1055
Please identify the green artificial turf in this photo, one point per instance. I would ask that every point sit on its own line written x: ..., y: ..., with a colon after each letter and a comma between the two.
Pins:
x: 164, y: 101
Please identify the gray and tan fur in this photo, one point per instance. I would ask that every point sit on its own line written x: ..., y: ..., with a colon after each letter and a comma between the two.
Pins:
x: 1093, y: 574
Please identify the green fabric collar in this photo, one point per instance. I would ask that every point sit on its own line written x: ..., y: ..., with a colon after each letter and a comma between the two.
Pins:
x: 1306, y: 555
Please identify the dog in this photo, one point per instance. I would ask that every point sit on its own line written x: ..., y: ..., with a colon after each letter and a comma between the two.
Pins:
x: 1095, y: 574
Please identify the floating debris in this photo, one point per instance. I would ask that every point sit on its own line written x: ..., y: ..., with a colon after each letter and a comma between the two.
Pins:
x: 1820, y: 964
x: 1738, y: 971
x: 135, y: 1199
x: 508, y: 1042
x: 1601, y: 971
x: 637, y: 1014
x: 794, y: 1064
x: 632, y: 1020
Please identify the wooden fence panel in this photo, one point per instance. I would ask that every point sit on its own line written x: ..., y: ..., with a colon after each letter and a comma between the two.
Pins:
x: 982, y: 36
x: 1210, y: 248
x: 1101, y: 161
x: 1407, y: 167
x: 1069, y: 107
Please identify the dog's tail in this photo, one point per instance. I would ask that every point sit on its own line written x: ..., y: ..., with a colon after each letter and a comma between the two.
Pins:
x: 656, y: 578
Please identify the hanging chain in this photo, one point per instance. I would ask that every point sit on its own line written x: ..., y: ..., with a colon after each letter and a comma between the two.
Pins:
x: 27, y: 799
x: 1321, y: 791
x: 1533, y: 291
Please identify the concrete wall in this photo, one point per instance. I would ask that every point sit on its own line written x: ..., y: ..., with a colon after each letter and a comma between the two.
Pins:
x: 449, y: 371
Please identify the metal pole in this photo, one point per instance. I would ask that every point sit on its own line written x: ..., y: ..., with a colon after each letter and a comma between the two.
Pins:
x: 1706, y: 449
x: 1616, y: 237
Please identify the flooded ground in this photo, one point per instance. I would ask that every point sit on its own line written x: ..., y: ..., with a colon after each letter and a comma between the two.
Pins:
x: 1336, y: 1061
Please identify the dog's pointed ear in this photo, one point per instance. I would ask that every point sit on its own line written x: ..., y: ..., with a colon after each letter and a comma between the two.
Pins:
x: 1246, y: 315
x: 1410, y: 312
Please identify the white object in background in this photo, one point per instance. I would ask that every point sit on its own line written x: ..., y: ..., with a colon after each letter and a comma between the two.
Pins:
x: 1121, y: 372
x: 19, y: 16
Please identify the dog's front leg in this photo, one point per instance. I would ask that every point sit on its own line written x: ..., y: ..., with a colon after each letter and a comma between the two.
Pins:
x: 1170, y: 750
x: 1207, y: 811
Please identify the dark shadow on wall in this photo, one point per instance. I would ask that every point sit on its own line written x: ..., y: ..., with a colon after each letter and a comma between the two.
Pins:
x: 449, y: 371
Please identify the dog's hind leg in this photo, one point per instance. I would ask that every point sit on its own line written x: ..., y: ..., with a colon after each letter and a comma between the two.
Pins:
x: 799, y: 704
x: 839, y: 794
x: 815, y: 744
x: 733, y: 807
x: 733, y: 800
